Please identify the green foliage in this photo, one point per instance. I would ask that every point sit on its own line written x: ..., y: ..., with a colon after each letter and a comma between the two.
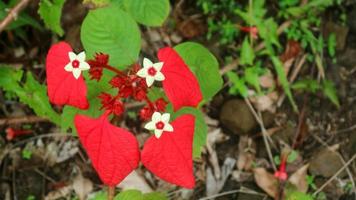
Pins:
x: 137, y: 195
x: 51, y: 12
x: 282, y: 78
x: 31, y: 92
x: 247, y: 55
x: 238, y: 86
x: 204, y: 65
x: 327, y: 88
x: 329, y: 91
x: 26, y: 154
x: 292, y: 156
x: 148, y: 12
x: 296, y: 195
x: 30, y: 197
x: 200, y: 131
x: 112, y: 31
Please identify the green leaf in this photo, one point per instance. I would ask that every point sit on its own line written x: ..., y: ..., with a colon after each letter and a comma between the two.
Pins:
x: 329, y: 90
x: 332, y: 44
x: 238, y: 86
x: 252, y: 77
x: 154, y: 196
x: 31, y: 93
x: 101, y: 195
x: 51, y: 11
x: 247, y: 55
x: 129, y: 195
x: 137, y: 195
x: 148, y: 12
x: 204, y: 65
x: 292, y: 156
x: 112, y: 31
x: 282, y: 78
x: 296, y: 195
x: 307, y: 84
x: 201, y: 128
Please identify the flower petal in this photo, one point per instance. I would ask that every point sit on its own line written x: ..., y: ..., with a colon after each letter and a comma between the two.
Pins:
x: 150, y: 125
x: 158, y: 66
x: 170, y: 156
x: 84, y: 66
x: 142, y: 73
x: 76, y: 72
x: 159, y: 76
x: 150, y: 80
x: 81, y: 56
x: 147, y: 63
x: 156, y: 117
x: 168, y: 127
x: 114, y: 151
x: 165, y: 117
x: 69, y: 67
x: 158, y: 133
x: 180, y: 84
x: 72, y: 56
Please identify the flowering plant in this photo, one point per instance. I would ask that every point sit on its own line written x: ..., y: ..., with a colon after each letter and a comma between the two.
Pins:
x: 97, y: 84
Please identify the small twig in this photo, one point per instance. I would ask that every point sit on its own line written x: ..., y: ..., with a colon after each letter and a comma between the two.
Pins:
x: 264, y: 133
x: 22, y: 120
x: 13, y: 13
x: 335, y: 175
x: 344, y: 130
x: 232, y: 192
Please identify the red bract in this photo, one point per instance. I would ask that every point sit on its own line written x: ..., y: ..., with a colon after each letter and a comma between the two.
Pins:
x: 114, y: 151
x: 63, y: 87
x: 180, y: 84
x: 170, y: 156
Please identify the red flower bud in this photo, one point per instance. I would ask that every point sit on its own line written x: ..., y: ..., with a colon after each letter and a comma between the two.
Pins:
x: 140, y: 94
x: 12, y: 133
x: 160, y: 105
x: 146, y: 113
x: 118, y: 108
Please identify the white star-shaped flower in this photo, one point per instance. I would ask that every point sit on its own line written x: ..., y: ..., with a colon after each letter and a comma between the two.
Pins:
x: 151, y: 71
x: 76, y: 64
x: 159, y: 124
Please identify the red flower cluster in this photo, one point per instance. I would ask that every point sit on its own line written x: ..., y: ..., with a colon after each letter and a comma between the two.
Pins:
x: 158, y: 106
x: 129, y: 85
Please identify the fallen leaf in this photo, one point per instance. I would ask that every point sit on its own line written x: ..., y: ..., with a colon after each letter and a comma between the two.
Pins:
x: 266, y: 181
x: 247, y: 151
x: 135, y: 181
x: 299, y: 179
x: 82, y: 186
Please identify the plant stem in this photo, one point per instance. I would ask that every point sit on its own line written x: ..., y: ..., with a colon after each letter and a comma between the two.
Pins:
x: 111, y: 192
x: 13, y: 13
x: 113, y: 69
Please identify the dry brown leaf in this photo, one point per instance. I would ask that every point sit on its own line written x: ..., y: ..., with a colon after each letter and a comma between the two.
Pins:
x: 266, y: 181
x: 247, y: 151
x: 62, y: 192
x: 135, y: 181
x: 299, y: 179
x: 82, y: 186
